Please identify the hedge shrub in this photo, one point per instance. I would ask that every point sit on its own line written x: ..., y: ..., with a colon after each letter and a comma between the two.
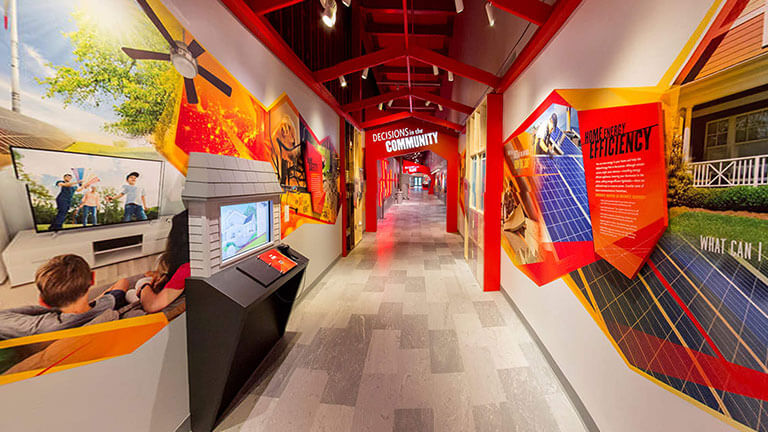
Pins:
x: 744, y: 198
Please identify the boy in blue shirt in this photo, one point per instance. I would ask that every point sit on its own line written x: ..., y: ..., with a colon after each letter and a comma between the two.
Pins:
x: 64, y: 200
x: 135, y: 199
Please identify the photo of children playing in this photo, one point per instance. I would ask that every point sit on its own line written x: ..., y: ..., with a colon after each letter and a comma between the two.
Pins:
x: 109, y: 190
x: 69, y: 299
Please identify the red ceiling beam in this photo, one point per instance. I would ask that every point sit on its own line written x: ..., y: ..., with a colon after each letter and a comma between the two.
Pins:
x: 712, y: 38
x: 445, y: 102
x: 405, y: 115
x: 408, y: 58
x: 455, y: 66
x: 417, y: 93
x: 264, y: 32
x: 375, y: 100
x: 435, y: 30
x: 417, y: 12
x: 560, y: 14
x: 359, y: 63
x: 262, y: 7
x: 534, y: 11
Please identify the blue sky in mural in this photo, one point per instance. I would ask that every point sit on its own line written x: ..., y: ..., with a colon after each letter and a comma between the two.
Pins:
x: 42, y: 40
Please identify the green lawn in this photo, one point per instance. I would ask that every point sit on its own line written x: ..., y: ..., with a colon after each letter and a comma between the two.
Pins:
x: 692, y: 224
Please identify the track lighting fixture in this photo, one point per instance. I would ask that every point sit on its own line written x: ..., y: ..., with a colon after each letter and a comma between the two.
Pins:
x: 391, y: 101
x: 427, y: 103
x: 489, y: 12
x: 365, y: 73
x: 440, y: 107
x: 347, y: 3
x: 450, y: 76
x: 343, y: 81
x: 435, y: 70
x: 381, y: 107
x: 329, y: 12
x: 459, y: 5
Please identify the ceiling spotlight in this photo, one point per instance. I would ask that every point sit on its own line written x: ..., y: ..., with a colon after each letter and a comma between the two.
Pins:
x: 489, y: 12
x: 329, y: 12
x: 459, y: 5
x: 435, y: 70
x: 381, y: 106
x: 365, y: 73
x: 450, y: 75
x: 427, y: 103
x: 347, y: 3
x: 342, y: 81
x: 391, y: 101
x: 440, y: 107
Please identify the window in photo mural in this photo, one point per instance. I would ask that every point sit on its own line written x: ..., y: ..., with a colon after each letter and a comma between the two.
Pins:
x: 113, y: 95
x: 685, y: 306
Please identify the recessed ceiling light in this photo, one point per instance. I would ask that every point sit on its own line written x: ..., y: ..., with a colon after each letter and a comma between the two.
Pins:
x: 489, y: 12
x: 329, y: 12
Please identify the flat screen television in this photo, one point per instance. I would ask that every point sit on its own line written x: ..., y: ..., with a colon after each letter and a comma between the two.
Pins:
x: 67, y: 190
x: 244, y: 228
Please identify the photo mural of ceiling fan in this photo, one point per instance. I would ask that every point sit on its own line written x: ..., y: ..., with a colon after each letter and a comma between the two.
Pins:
x: 183, y: 57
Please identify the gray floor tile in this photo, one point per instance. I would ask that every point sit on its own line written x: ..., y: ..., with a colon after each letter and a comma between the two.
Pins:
x: 414, y: 332
x: 415, y: 284
x: 414, y: 420
x: 444, y: 353
x: 489, y: 314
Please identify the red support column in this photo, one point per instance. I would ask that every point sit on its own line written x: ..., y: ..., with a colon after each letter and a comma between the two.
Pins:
x: 493, y: 188
x: 343, y: 185
x: 371, y: 191
x: 452, y: 192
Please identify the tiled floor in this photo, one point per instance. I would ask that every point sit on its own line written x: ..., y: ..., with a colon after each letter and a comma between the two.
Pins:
x: 398, y: 336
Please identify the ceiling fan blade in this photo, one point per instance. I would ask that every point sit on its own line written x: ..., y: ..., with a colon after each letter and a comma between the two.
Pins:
x: 189, y: 86
x: 156, y: 21
x: 195, y: 49
x: 211, y: 78
x: 138, y: 54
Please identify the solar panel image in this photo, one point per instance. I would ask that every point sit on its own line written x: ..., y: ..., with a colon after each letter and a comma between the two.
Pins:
x: 562, y: 194
x: 692, y: 320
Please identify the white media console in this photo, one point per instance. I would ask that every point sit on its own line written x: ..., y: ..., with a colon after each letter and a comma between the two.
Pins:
x: 99, y: 246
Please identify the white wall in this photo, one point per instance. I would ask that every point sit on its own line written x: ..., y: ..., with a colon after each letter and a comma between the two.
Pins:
x: 606, y: 43
x: 143, y: 391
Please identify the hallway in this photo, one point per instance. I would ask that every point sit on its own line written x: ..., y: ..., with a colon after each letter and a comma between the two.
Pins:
x: 398, y: 336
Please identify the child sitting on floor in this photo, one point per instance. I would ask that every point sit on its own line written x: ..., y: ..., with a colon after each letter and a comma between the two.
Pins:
x: 63, y: 283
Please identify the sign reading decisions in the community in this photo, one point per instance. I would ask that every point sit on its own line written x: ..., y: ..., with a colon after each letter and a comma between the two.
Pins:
x: 405, y: 139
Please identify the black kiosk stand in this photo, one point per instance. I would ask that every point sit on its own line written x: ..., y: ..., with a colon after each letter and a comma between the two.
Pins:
x: 237, y: 306
x: 233, y: 321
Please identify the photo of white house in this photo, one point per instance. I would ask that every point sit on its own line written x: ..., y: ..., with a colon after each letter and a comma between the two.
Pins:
x: 243, y: 227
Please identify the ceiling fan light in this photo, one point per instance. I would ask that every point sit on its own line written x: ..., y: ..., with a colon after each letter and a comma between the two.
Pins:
x: 365, y: 73
x: 459, y: 5
x: 342, y: 81
x: 489, y: 12
x: 450, y: 76
x: 435, y: 70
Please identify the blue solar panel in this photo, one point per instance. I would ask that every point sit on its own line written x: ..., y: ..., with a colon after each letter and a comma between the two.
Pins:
x: 566, y: 145
x: 562, y: 193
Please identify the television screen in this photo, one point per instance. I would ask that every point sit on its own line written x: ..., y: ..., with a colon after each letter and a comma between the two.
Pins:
x: 244, y: 227
x: 75, y: 190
